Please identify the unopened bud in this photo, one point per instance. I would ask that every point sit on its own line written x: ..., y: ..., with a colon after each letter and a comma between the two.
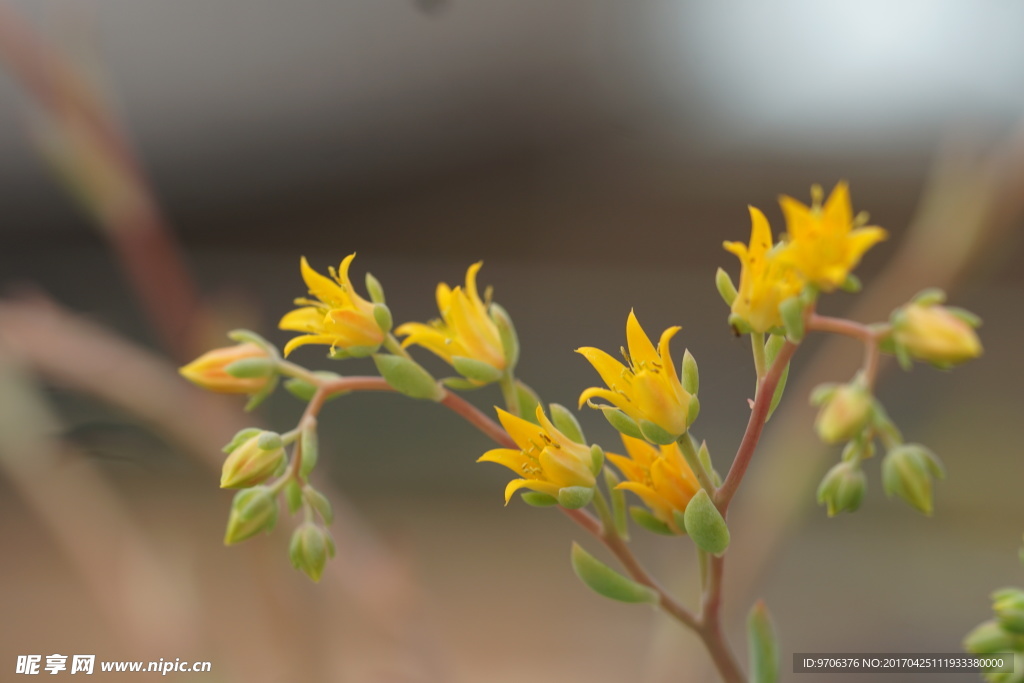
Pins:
x: 989, y: 638
x: 844, y: 413
x: 250, y: 369
x: 907, y: 472
x: 253, y: 461
x: 1008, y: 604
x: 842, y: 488
x: 309, y: 549
x: 936, y: 334
x: 252, y: 511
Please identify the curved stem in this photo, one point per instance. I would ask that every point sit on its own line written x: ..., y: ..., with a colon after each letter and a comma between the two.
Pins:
x: 869, y: 335
x: 758, y: 414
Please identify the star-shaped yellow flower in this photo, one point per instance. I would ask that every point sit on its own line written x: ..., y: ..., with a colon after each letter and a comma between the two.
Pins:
x: 547, y: 459
x: 465, y: 330
x: 660, y: 476
x: 766, y: 279
x: 338, y: 316
x: 823, y: 243
x: 649, y: 390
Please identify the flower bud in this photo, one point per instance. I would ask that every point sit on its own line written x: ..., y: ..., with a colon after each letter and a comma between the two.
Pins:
x: 936, y: 334
x: 907, y: 472
x: 253, y: 461
x: 309, y: 549
x: 1009, y: 608
x: 844, y: 413
x: 252, y: 511
x: 250, y: 369
x: 842, y: 488
x: 988, y: 638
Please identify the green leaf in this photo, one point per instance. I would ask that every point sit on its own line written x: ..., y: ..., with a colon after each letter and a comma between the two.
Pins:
x: 528, y: 401
x: 538, y: 499
x: 382, y: 316
x: 607, y: 582
x: 319, y: 502
x: 293, y: 496
x: 780, y: 388
x: 726, y: 288
x: 241, y: 437
x: 648, y: 521
x: 622, y: 422
x: 476, y: 370
x: 656, y: 434
x: 375, y: 289
x: 792, y: 312
x: 705, y: 524
x: 618, y: 501
x: 575, y: 497
x: 690, y: 374
x: 763, y: 645
x: 408, y: 377
x: 507, y: 333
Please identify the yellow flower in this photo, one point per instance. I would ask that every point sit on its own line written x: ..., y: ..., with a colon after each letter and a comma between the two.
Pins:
x: 824, y: 244
x: 465, y: 330
x: 662, y: 478
x: 338, y: 316
x: 934, y: 334
x: 649, y: 390
x: 765, y: 281
x: 547, y: 459
x: 208, y: 371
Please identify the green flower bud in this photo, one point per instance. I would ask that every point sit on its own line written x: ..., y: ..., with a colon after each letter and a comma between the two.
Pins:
x: 705, y: 524
x: 408, y: 377
x: 251, y: 463
x: 989, y: 638
x: 842, y: 488
x: 1008, y: 606
x: 252, y: 511
x: 309, y: 549
x: 907, y: 472
x: 844, y: 414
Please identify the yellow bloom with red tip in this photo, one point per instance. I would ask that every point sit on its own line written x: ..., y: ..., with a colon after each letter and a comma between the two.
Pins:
x: 766, y: 280
x: 648, y: 390
x: 547, y: 460
x: 209, y: 370
x: 660, y: 476
x: 338, y: 316
x: 465, y: 329
x: 825, y: 242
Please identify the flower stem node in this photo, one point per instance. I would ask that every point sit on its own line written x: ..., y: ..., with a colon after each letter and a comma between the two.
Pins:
x: 408, y: 377
x: 252, y: 511
x: 842, y: 488
x: 253, y: 461
x: 936, y: 334
x: 705, y: 524
x: 310, y: 548
x: 907, y: 472
x: 845, y: 412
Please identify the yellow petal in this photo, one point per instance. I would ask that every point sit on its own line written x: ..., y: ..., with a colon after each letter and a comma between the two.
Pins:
x: 631, y: 470
x: 308, y: 339
x: 641, y: 451
x: 560, y: 467
x: 307, y: 319
x: 321, y: 287
x: 837, y: 209
x: 533, y: 484
x: 641, y: 350
x: 659, y: 505
x: 611, y: 370
x: 512, y: 459
x: 526, y: 434
x: 616, y: 399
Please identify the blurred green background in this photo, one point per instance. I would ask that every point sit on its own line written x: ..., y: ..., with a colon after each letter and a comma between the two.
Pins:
x: 594, y: 155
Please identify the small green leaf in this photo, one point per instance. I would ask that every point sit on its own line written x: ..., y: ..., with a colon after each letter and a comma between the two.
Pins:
x: 293, y: 496
x: 575, y: 497
x: 408, y: 377
x: 382, y: 316
x: 656, y: 434
x: 618, y: 501
x: 792, y: 312
x: 726, y: 288
x: 607, y: 582
x: 538, y: 499
x: 269, y: 441
x: 241, y: 437
x: 780, y: 389
x: 318, y: 502
x: 507, y: 333
x: 375, y: 289
x: 705, y: 524
x: 622, y: 422
x: 763, y: 645
x: 476, y: 370
x: 566, y: 422
x: 648, y: 521
x: 690, y: 374
x: 310, y: 449
x: 528, y: 401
